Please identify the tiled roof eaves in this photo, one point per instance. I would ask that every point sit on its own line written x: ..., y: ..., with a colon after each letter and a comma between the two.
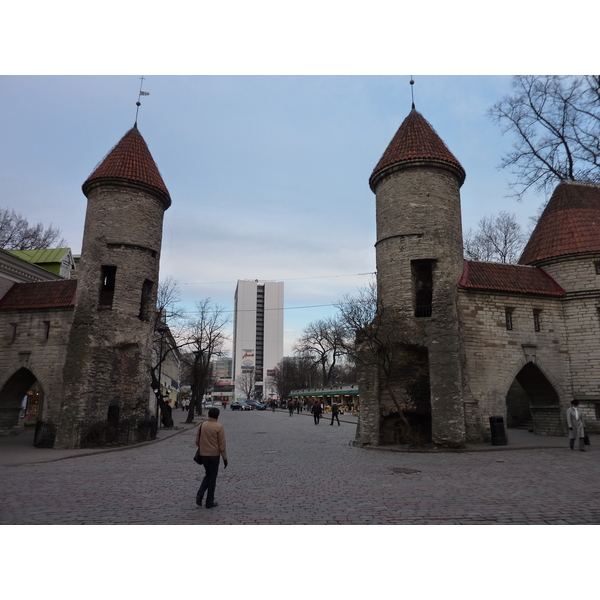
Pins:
x: 40, y: 295
x: 384, y: 172
x: 550, y: 289
x: 94, y: 182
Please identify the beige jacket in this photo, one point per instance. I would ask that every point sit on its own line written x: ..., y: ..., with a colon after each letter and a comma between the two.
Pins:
x: 212, y: 440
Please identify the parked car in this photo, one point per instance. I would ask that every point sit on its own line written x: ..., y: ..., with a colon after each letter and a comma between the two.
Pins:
x: 256, y: 404
x: 240, y: 405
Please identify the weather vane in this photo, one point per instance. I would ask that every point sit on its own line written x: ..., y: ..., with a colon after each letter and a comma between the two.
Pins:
x: 138, y: 103
x: 412, y: 91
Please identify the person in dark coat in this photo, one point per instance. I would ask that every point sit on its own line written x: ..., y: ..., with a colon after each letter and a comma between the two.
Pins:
x: 317, y: 411
x: 334, y: 413
x: 291, y: 407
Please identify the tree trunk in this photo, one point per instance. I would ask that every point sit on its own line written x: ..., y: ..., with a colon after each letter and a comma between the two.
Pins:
x: 406, y: 431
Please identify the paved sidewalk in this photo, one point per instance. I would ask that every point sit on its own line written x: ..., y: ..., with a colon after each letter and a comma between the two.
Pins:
x: 19, y: 449
x: 287, y: 470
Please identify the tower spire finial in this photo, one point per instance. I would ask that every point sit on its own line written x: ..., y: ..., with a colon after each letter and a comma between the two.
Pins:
x: 138, y: 103
x: 412, y: 91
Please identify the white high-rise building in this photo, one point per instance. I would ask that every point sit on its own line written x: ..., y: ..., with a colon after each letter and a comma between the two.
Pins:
x: 257, y: 334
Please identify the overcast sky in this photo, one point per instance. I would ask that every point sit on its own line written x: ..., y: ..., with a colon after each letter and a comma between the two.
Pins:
x: 268, y: 174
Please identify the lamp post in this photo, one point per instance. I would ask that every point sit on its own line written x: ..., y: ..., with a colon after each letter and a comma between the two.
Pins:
x: 161, y: 330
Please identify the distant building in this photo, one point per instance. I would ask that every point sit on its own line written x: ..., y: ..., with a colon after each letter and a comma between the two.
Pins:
x: 257, y: 332
x: 223, y: 379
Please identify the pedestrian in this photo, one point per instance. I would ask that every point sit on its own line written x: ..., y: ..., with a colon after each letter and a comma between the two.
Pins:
x: 576, y: 425
x: 316, y: 411
x: 224, y: 403
x: 166, y: 412
x: 298, y: 406
x: 210, y: 439
x: 291, y: 407
x: 334, y: 413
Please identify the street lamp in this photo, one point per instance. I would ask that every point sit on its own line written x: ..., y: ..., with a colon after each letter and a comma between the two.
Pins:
x: 161, y: 330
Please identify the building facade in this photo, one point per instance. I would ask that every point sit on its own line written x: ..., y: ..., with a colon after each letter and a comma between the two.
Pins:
x: 476, y: 340
x: 257, y: 334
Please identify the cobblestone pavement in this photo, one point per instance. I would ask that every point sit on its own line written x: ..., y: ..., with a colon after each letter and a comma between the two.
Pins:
x: 286, y: 470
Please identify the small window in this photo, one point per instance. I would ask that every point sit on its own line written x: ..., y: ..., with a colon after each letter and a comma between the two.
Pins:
x: 14, y: 332
x: 145, y: 304
x: 509, y: 318
x: 422, y: 279
x: 47, y: 330
x: 107, y: 285
x: 536, y: 319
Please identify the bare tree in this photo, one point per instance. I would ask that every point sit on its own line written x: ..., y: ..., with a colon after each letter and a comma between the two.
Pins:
x: 245, y: 382
x: 17, y: 234
x: 292, y: 373
x: 168, y: 297
x: 556, y: 121
x: 204, y: 338
x: 323, y: 341
x: 373, y: 338
x: 498, y: 239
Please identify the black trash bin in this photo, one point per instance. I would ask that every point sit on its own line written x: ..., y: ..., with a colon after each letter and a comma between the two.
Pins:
x: 498, y: 431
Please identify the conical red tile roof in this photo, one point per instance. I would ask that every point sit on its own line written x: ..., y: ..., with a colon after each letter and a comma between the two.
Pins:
x: 130, y: 160
x: 415, y: 141
x: 570, y: 224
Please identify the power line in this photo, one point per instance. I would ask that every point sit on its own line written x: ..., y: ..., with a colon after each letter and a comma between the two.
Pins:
x: 289, y: 279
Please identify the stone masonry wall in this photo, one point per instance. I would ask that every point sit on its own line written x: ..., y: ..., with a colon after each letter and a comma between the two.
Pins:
x: 578, y: 276
x: 495, y: 355
x: 40, y: 346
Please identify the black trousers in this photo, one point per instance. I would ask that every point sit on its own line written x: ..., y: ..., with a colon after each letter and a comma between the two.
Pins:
x: 316, y: 418
x: 209, y: 483
x: 335, y: 417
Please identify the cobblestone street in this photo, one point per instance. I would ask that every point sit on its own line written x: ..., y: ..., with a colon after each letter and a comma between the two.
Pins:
x: 286, y: 470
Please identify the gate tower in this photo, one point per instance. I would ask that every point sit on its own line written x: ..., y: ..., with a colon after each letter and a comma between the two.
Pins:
x: 107, y: 368
x: 419, y: 257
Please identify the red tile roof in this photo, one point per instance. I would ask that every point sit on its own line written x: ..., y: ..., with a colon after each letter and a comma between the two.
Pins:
x: 130, y: 160
x: 503, y: 277
x: 415, y: 141
x: 570, y: 224
x: 42, y: 294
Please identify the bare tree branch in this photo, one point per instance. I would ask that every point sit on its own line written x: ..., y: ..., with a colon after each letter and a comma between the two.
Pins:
x: 556, y: 121
x: 498, y: 239
x: 17, y: 234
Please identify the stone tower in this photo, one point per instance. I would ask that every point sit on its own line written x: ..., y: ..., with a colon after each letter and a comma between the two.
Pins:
x: 419, y: 259
x: 107, y: 368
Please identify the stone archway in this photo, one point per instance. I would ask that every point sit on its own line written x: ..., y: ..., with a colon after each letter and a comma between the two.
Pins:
x: 533, y: 403
x: 21, y: 397
x: 410, y: 381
